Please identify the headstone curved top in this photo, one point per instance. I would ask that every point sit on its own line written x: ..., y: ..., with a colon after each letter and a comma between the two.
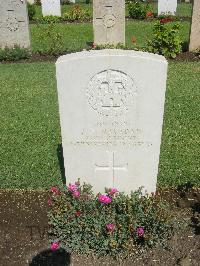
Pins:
x: 14, y: 24
x: 111, y: 106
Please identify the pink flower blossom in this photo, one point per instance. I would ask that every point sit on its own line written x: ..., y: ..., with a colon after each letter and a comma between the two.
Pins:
x: 110, y: 227
x: 78, y: 213
x: 94, y: 46
x: 49, y: 201
x: 104, y: 199
x: 113, y: 191
x: 72, y: 187
x: 76, y: 194
x: 55, y: 190
x: 140, y: 231
x: 54, y: 246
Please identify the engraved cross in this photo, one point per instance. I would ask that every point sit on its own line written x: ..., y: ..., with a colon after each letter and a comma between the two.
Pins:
x: 111, y: 166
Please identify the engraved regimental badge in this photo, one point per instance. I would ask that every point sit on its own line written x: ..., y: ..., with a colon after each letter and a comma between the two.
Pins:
x: 111, y: 92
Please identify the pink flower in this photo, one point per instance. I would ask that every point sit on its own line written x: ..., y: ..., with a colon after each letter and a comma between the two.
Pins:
x: 72, y: 187
x: 55, y: 190
x: 110, y: 227
x: 76, y: 194
x: 113, y: 191
x: 104, y: 199
x: 94, y: 46
x: 54, y: 246
x: 140, y: 231
x: 49, y: 201
x: 78, y: 213
x: 165, y: 20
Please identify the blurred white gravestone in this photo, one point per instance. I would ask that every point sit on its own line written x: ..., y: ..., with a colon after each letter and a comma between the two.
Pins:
x: 31, y: 2
x: 111, y: 117
x: 167, y: 7
x: 195, y: 27
x: 14, y: 24
x: 109, y: 21
x: 51, y: 8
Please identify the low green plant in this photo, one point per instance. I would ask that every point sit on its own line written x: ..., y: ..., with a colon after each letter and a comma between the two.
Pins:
x: 77, y: 13
x: 107, y: 224
x: 50, y: 19
x: 118, y: 46
x: 138, y: 10
x: 38, y: 2
x: 31, y: 11
x: 166, y: 39
x: 14, y: 54
x: 65, y: 2
x: 54, y: 38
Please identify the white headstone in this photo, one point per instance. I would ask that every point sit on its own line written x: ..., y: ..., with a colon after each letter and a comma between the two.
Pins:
x: 109, y: 21
x: 14, y: 24
x: 167, y: 7
x: 111, y: 106
x: 195, y: 27
x: 31, y: 2
x: 51, y: 8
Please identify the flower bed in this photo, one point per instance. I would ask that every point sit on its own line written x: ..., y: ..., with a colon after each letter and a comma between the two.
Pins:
x: 107, y: 224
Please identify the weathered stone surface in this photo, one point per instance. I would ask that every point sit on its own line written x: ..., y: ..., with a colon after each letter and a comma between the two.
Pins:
x: 14, y: 24
x: 195, y: 27
x: 51, y: 7
x: 109, y: 21
x: 111, y: 110
x: 167, y: 7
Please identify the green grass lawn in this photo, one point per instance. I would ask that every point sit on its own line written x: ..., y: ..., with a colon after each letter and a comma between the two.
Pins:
x: 78, y: 36
x: 30, y: 131
x: 183, y: 9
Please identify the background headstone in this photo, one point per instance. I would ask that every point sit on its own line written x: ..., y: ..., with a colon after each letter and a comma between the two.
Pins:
x: 14, y: 24
x: 51, y: 8
x: 111, y: 117
x: 195, y: 27
x: 167, y: 7
x: 31, y: 2
x: 109, y: 21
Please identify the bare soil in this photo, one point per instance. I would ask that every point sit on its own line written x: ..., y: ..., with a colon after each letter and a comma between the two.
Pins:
x: 184, y: 56
x: 24, y: 237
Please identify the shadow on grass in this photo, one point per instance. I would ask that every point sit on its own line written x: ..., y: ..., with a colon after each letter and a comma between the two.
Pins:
x: 61, y: 162
x: 185, y: 187
x: 51, y: 258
